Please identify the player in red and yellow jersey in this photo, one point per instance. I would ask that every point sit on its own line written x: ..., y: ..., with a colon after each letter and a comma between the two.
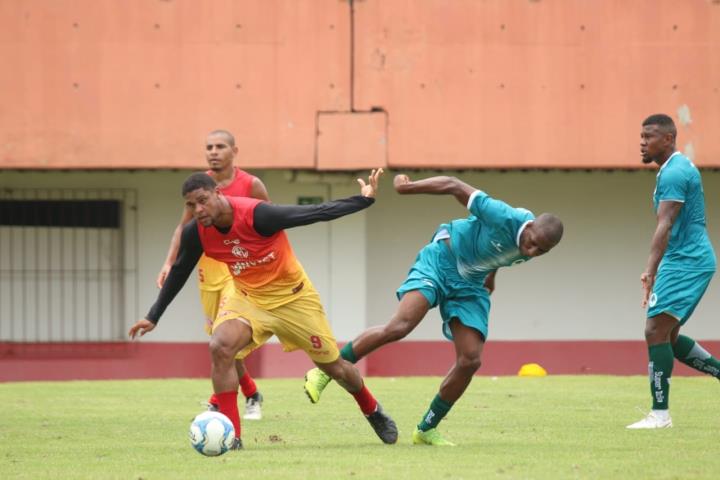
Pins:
x: 273, y: 294
x: 214, y: 280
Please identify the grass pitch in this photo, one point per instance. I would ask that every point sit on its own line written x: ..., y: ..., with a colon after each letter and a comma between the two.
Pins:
x: 509, y: 428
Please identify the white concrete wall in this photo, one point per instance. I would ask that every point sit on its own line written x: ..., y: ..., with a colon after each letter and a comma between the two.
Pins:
x: 588, y: 288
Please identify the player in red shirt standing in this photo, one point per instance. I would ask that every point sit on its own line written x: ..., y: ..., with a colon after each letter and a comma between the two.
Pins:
x: 214, y: 280
x: 273, y: 294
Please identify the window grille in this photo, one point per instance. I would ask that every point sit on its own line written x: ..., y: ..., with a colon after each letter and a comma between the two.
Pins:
x: 68, y: 264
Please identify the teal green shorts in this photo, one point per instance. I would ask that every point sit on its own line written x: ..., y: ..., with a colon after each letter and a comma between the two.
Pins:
x: 435, y: 275
x: 677, y: 293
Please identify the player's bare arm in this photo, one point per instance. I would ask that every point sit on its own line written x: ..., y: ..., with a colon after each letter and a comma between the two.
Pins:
x: 258, y: 190
x: 441, y: 185
x: 173, y: 249
x: 667, y: 213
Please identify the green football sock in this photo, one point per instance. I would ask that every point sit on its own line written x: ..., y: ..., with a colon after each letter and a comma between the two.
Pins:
x: 346, y: 352
x: 437, y: 411
x: 689, y: 352
x: 660, y: 370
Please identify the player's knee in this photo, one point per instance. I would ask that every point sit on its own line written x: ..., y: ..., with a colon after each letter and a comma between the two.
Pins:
x: 655, y: 334
x: 650, y: 332
x: 221, y: 351
x: 470, y: 363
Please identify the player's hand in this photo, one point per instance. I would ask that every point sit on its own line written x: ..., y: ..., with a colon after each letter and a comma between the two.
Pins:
x: 369, y: 189
x: 140, y: 328
x: 162, y: 276
x: 648, y: 281
x: 400, y: 180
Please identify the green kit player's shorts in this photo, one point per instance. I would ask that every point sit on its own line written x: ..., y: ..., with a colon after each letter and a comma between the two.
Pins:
x: 677, y: 293
x: 435, y: 275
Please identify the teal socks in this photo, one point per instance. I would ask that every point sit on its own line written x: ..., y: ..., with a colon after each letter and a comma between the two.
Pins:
x: 437, y: 411
x: 689, y: 352
x: 346, y: 352
x: 660, y: 370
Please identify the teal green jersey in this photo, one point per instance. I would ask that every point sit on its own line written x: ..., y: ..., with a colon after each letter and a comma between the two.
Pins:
x: 489, y: 238
x: 689, y: 247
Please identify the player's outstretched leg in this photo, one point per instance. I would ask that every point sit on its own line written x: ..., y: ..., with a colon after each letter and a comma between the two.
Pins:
x: 469, y: 344
x: 692, y: 354
x: 412, y: 309
x: 348, y: 377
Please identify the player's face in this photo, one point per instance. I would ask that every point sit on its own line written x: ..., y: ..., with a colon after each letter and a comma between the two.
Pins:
x: 653, y: 143
x: 533, y: 243
x: 219, y: 153
x: 205, y: 205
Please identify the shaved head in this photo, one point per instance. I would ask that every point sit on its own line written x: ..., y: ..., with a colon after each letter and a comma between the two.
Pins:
x: 541, y: 235
x: 550, y: 226
x: 224, y: 133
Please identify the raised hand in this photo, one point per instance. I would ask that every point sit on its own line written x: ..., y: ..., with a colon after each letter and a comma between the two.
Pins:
x: 369, y: 189
x: 400, y: 180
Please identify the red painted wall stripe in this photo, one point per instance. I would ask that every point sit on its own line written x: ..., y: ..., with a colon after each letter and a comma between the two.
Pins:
x: 94, y: 361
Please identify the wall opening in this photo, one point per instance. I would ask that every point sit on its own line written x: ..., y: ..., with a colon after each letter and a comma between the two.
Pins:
x: 68, y: 264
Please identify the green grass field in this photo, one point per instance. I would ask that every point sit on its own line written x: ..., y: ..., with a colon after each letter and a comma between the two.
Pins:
x: 508, y: 428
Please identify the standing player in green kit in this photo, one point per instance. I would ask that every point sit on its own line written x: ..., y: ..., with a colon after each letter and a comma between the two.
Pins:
x: 679, y: 268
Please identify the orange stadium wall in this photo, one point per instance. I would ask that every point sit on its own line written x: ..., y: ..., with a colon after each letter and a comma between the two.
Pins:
x: 337, y: 85
x: 334, y: 85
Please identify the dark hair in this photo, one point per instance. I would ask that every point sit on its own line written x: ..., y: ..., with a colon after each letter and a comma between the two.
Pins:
x: 198, y: 180
x: 665, y: 122
x: 230, y: 137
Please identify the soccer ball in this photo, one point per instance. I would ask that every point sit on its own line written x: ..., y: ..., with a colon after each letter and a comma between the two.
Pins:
x: 211, y: 433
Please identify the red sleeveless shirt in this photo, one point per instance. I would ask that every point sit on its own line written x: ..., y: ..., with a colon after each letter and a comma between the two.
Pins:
x: 264, y: 268
x: 213, y: 275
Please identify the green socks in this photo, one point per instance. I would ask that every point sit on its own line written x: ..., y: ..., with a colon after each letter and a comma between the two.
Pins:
x: 689, y: 352
x: 660, y: 370
x: 438, y: 409
x: 346, y: 352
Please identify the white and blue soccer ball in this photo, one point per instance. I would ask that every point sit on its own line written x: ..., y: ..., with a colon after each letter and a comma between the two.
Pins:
x: 212, y: 433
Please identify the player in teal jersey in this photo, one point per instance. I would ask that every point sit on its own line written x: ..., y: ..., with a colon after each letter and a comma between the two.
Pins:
x: 679, y: 269
x: 455, y: 272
